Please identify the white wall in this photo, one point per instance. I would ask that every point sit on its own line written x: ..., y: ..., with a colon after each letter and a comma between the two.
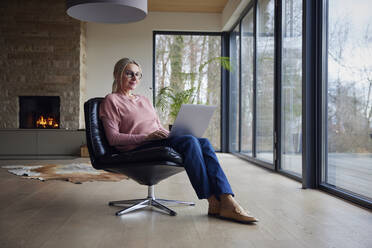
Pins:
x: 107, y: 43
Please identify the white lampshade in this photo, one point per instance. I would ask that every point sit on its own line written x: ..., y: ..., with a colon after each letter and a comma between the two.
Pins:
x: 107, y: 11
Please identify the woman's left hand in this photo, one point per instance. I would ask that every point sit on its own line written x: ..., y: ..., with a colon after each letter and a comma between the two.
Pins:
x: 158, y: 134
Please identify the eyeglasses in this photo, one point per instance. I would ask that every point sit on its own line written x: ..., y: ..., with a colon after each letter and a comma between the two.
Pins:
x: 131, y: 74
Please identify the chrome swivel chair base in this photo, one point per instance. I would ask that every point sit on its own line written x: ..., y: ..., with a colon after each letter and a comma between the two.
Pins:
x: 149, y: 201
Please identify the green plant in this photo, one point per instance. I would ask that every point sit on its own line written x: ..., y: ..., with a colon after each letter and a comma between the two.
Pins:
x: 173, y: 99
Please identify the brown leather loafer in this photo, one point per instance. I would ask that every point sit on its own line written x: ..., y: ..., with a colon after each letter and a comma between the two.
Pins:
x: 214, y: 206
x: 213, y: 211
x: 238, y: 215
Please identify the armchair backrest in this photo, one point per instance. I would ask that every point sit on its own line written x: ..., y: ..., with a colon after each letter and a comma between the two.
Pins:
x: 96, y: 139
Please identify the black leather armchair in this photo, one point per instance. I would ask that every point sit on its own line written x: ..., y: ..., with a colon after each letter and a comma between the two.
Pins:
x: 146, y: 166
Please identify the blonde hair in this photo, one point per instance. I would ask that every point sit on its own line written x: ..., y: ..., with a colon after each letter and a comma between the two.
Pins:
x: 119, y: 70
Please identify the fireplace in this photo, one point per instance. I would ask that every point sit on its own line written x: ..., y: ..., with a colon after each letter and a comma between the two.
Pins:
x: 39, y: 112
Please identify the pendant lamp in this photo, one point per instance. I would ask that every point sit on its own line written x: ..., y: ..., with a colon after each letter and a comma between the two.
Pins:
x: 107, y: 11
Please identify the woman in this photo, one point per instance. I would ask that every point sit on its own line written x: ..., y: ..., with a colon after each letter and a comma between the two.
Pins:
x: 130, y: 122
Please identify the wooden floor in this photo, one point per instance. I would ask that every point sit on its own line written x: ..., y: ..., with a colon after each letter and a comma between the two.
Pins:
x: 61, y: 214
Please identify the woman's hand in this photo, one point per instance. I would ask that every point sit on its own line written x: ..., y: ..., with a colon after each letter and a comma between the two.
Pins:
x: 158, y: 134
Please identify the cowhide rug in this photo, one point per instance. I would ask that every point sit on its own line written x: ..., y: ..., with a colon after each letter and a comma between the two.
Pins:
x: 75, y: 172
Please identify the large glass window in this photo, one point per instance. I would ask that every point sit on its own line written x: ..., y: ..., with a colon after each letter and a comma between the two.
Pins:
x: 346, y: 98
x: 348, y: 92
x: 234, y: 89
x: 255, y: 118
x: 265, y: 80
x: 187, y: 67
x: 247, y: 66
x: 291, y: 88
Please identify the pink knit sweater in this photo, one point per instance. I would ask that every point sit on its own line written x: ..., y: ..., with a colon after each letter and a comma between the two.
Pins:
x: 128, y: 121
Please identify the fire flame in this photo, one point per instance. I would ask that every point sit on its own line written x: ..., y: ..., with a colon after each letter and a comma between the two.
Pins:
x: 48, y: 122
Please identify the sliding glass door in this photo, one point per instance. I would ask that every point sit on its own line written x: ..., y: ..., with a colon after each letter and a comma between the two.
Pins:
x: 265, y: 80
x: 252, y: 108
x: 254, y: 105
x: 347, y: 133
x: 247, y: 65
x: 234, y: 90
x: 291, y: 87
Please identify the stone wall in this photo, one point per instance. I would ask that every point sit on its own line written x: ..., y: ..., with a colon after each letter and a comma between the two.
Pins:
x: 83, y: 72
x: 42, y: 54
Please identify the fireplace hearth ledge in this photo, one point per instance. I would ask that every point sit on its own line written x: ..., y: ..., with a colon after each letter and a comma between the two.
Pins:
x: 41, y: 142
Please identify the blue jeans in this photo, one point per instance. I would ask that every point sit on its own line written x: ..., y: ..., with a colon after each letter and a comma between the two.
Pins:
x: 200, y: 162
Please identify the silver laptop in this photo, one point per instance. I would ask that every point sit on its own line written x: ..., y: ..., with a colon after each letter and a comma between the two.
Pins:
x: 192, y: 119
